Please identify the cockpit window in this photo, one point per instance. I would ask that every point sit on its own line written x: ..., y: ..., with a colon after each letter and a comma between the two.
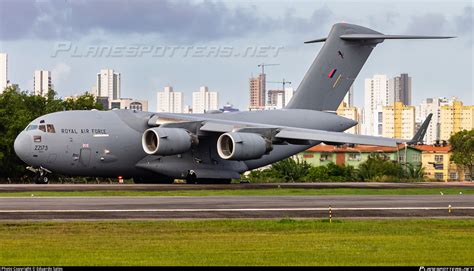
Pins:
x: 50, y: 128
x: 42, y: 128
x: 32, y: 127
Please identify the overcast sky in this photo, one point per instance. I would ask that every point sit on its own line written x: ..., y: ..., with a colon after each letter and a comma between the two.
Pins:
x: 32, y: 31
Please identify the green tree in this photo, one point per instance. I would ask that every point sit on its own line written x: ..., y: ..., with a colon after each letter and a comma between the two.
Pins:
x: 462, y: 148
x: 378, y: 168
x: 415, y: 171
x: 290, y: 169
x: 331, y: 172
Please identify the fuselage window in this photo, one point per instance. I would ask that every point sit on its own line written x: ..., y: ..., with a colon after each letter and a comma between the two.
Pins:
x: 42, y: 128
x: 50, y: 128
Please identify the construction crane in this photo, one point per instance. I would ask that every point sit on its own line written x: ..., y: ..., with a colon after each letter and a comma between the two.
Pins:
x: 264, y: 64
x: 283, y: 82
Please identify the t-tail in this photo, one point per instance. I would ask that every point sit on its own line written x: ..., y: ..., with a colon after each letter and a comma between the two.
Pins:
x: 335, y: 68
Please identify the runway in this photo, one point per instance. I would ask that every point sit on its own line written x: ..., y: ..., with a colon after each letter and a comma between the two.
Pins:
x: 103, y: 208
x: 172, y: 187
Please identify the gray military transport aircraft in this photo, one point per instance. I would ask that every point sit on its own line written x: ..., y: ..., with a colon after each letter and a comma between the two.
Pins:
x: 211, y: 147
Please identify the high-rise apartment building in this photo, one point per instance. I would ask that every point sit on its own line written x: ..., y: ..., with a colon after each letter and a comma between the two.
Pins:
x: 455, y: 118
x: 205, y: 100
x: 278, y: 99
x: 349, y: 98
x: 350, y: 112
x: 108, y: 84
x: 400, y: 87
x: 432, y: 106
x: 169, y: 101
x: 257, y: 92
x: 398, y: 121
x: 42, y: 82
x: 3, y: 71
x: 376, y: 95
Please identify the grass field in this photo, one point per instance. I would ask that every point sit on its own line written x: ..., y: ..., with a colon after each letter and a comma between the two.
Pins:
x: 250, y: 192
x: 239, y: 242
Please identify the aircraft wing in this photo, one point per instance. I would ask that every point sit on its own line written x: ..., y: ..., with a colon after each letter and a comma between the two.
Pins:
x: 290, y: 133
x: 293, y: 133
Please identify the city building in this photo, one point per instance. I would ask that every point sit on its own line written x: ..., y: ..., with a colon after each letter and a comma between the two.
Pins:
x: 349, y: 98
x: 398, y: 121
x: 432, y: 106
x: 3, y: 71
x: 42, y: 82
x: 322, y: 155
x: 275, y: 98
x: 278, y: 98
x: 169, y: 101
x: 400, y: 87
x: 437, y: 165
x: 350, y: 112
x: 129, y: 103
x: 108, y: 84
x: 205, y: 100
x: 376, y: 95
x: 455, y: 118
x: 257, y: 92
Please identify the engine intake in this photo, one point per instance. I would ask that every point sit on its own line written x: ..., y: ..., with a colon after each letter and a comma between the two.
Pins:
x: 242, y: 146
x: 166, y: 141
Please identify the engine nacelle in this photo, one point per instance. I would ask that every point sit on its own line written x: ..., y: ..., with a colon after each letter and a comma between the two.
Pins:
x: 166, y: 141
x: 242, y: 146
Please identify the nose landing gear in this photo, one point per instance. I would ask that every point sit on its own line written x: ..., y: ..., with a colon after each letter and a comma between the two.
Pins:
x: 40, y: 175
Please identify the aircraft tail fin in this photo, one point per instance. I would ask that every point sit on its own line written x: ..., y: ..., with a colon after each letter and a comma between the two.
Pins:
x: 335, y: 68
x: 420, y: 134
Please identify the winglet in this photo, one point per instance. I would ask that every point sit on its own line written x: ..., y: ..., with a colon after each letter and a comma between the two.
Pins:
x: 420, y: 134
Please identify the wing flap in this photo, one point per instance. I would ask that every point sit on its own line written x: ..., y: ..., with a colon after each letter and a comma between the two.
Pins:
x: 336, y: 137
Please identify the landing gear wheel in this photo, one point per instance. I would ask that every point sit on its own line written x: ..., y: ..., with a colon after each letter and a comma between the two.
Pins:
x: 40, y: 178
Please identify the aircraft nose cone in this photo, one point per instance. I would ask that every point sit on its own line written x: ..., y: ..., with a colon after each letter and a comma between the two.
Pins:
x: 22, y: 146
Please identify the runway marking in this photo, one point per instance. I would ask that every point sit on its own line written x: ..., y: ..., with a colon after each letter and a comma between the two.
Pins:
x: 236, y: 210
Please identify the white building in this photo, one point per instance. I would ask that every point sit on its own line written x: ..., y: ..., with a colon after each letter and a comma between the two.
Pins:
x: 169, y: 101
x: 289, y: 92
x: 278, y: 99
x: 3, y: 71
x: 129, y: 103
x: 108, y: 84
x: 42, y: 82
x: 349, y: 98
x: 205, y: 100
x: 376, y: 95
x: 432, y: 105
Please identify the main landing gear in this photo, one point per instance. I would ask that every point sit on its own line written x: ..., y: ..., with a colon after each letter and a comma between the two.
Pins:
x: 40, y: 175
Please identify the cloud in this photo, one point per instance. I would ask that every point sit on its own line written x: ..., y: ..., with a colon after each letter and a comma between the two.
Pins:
x: 60, y: 73
x: 428, y: 24
x: 172, y: 20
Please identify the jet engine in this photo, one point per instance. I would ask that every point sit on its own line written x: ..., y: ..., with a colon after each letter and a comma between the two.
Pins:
x: 242, y: 146
x: 166, y: 141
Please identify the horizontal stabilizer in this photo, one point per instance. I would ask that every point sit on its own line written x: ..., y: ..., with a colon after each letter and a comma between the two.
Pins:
x: 354, y: 37
x: 318, y: 40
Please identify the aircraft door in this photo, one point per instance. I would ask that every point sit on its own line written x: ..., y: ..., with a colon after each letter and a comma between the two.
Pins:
x: 85, y: 156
